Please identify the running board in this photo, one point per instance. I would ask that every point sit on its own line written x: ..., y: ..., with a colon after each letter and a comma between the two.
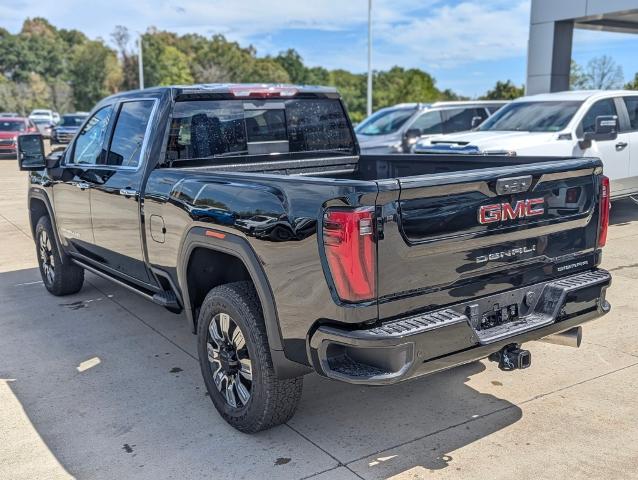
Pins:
x: 121, y: 283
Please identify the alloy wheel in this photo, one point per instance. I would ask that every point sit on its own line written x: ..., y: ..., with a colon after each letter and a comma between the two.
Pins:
x: 229, y: 360
x: 46, y: 256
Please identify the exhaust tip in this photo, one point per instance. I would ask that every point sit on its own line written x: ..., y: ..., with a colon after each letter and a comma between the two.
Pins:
x: 569, y: 338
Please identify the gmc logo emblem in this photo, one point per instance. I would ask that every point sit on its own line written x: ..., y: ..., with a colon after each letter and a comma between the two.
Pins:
x: 503, y: 212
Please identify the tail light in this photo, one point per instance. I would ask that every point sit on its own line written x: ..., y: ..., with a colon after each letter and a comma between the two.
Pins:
x: 604, y: 206
x: 348, y: 239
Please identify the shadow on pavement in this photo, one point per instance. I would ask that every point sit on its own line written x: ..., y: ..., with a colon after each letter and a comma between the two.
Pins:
x: 110, y: 397
x: 623, y: 212
x: 353, y: 422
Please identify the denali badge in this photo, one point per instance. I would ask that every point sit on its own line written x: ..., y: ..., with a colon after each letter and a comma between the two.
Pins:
x: 502, y: 212
x: 514, y: 252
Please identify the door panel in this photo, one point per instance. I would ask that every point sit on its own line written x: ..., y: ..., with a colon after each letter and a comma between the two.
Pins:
x: 631, y: 103
x: 615, y: 157
x: 72, y: 191
x: 613, y: 153
x: 115, y: 202
x: 71, y: 201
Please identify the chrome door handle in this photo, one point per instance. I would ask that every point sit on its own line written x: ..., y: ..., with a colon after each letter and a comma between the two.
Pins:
x: 82, y: 185
x: 621, y: 145
x: 127, y: 192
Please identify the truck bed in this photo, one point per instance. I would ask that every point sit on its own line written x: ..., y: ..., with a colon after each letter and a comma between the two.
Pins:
x: 367, y: 167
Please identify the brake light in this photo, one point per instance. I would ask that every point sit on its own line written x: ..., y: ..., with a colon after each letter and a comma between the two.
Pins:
x: 350, y: 250
x: 604, y: 205
x: 262, y: 91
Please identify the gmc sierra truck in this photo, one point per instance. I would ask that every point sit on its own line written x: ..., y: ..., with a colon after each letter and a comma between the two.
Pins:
x: 250, y: 209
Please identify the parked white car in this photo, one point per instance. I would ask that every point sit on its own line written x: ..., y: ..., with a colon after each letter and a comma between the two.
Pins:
x: 395, y: 129
x: 43, y: 114
x: 576, y: 123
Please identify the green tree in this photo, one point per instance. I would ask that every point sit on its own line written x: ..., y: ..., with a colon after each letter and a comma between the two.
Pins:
x: 291, y: 61
x: 128, y: 59
x: 633, y: 85
x: 352, y: 87
x: 94, y: 72
x: 577, y: 77
x: 449, y: 95
x: 603, y: 73
x: 266, y: 70
x: 504, y: 91
x: 64, y: 69
x: 398, y: 85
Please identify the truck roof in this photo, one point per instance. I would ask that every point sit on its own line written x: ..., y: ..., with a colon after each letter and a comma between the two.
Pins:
x: 575, y: 95
x: 240, y: 90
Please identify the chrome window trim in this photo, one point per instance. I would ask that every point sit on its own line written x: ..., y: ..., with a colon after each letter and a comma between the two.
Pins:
x: 143, y: 150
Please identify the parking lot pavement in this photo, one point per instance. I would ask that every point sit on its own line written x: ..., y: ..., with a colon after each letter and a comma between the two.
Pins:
x: 104, y: 384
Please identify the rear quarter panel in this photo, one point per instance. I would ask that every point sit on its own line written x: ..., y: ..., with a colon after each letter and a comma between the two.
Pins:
x: 278, y: 217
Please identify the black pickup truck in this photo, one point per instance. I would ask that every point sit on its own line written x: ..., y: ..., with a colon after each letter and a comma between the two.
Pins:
x: 249, y: 209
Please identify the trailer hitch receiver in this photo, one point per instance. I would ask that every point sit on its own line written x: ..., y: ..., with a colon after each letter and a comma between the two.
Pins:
x: 511, y: 357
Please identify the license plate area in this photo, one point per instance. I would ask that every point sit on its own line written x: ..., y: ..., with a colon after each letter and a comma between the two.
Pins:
x: 498, y: 315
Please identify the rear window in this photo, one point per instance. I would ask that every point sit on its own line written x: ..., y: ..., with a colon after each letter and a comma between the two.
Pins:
x: 12, y: 126
x: 72, y: 120
x: 206, y: 129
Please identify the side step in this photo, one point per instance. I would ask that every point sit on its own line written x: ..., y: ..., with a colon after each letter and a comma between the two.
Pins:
x: 166, y: 298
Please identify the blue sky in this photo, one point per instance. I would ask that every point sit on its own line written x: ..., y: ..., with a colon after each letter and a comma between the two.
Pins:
x: 466, y: 44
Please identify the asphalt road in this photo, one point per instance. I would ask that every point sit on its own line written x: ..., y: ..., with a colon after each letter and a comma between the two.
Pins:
x: 104, y: 384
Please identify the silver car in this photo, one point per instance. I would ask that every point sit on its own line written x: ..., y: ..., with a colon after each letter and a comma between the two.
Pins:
x: 396, y: 129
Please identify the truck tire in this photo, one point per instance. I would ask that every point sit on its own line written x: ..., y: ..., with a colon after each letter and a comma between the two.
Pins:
x: 236, y: 364
x: 59, y: 277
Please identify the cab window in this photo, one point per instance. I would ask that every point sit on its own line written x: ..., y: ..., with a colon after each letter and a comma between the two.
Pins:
x: 89, y: 145
x: 632, y: 109
x: 428, y: 123
x: 458, y: 119
x: 129, y: 132
x: 601, y: 107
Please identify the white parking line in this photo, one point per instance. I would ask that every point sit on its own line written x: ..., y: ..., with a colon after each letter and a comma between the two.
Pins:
x: 27, y: 283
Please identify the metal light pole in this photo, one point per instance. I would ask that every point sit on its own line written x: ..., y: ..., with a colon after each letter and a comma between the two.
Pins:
x: 369, y: 109
x: 140, y: 62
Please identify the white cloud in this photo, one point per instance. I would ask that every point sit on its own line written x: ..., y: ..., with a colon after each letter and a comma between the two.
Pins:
x: 463, y: 33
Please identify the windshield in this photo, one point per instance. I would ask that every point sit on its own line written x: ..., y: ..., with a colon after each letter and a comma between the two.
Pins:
x: 532, y: 117
x: 12, y: 126
x: 72, y: 120
x: 385, y: 121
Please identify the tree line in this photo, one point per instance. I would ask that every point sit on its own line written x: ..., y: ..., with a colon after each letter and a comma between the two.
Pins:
x: 44, y: 66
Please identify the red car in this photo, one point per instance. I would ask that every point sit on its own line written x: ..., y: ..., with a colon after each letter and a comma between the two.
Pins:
x: 10, y: 128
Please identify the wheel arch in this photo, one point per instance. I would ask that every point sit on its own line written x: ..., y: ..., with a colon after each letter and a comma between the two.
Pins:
x: 40, y: 206
x: 233, y: 247
x: 237, y: 247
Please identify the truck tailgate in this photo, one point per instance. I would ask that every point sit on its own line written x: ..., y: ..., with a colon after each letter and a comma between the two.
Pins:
x: 455, y: 236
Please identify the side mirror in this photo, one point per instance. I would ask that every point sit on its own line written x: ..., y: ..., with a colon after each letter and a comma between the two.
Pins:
x: 31, y: 152
x: 476, y: 121
x: 605, y: 128
x: 412, y: 135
